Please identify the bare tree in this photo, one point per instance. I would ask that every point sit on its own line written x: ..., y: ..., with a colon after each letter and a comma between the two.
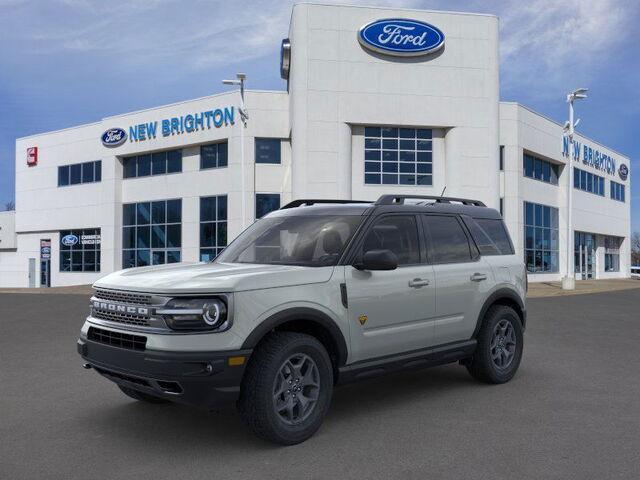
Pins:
x: 635, y: 248
x: 10, y: 205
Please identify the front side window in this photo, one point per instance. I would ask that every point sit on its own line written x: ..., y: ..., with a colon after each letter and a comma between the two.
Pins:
x: 80, y: 250
x: 447, y: 240
x: 159, y: 163
x: 266, y: 202
x: 397, y: 233
x: 539, y: 169
x: 151, y: 233
x: 310, y: 240
x: 617, y: 191
x: 213, y: 155
x: 398, y: 156
x: 541, y: 239
x: 87, y: 172
x: 213, y: 226
x: 268, y: 150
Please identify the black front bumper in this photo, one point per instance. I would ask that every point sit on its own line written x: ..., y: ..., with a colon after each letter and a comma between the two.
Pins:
x: 200, y: 379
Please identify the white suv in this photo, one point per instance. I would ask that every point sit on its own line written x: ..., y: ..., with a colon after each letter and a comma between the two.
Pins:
x: 317, y: 293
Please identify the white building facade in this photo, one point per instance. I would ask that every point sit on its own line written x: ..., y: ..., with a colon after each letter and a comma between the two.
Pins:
x: 358, y: 120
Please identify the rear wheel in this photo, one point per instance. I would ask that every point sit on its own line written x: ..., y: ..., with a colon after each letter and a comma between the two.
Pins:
x: 500, y: 344
x: 287, y: 388
x: 141, y: 396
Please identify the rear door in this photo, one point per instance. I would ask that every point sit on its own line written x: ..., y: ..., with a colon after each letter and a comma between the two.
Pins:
x: 462, y: 277
x: 391, y: 311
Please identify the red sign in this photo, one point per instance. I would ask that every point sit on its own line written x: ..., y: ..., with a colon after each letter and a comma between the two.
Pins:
x: 32, y: 156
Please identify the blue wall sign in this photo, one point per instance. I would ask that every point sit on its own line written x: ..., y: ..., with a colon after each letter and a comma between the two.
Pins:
x: 589, y: 156
x: 69, y: 240
x: 401, y: 37
x: 167, y: 127
x: 114, y: 137
x: 623, y: 171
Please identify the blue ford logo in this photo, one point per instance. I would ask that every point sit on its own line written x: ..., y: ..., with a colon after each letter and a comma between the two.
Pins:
x: 623, y: 171
x: 401, y: 37
x: 114, y: 137
x: 69, y: 240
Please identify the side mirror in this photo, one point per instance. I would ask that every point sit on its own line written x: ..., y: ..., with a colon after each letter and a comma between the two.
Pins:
x: 378, y: 260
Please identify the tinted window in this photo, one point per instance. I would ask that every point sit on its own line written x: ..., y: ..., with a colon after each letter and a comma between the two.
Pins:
x: 76, y: 173
x: 63, y: 176
x: 159, y: 163
x: 213, y: 156
x: 266, y: 202
x: 267, y: 150
x: 398, y: 234
x: 448, y: 241
x: 490, y: 236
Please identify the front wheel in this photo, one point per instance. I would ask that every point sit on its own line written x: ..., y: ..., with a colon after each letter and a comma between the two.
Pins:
x: 287, y: 388
x: 500, y: 344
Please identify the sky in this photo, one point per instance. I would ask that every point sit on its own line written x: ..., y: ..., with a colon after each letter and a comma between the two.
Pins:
x: 69, y: 62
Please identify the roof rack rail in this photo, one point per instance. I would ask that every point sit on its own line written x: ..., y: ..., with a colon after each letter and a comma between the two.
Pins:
x: 399, y: 199
x: 310, y: 201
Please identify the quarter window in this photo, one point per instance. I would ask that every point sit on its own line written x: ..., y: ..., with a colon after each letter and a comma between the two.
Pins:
x: 448, y: 241
x: 540, y: 169
x: 213, y: 226
x: 151, y: 233
x: 398, y: 234
x: 398, y: 156
x: 588, y: 182
x: 80, y: 250
x: 617, y: 191
x: 490, y: 236
x: 87, y: 172
x: 541, y: 240
x: 213, y: 155
x: 159, y: 163
x: 268, y: 150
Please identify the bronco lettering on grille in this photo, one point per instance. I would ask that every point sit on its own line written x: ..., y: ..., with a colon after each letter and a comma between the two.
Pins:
x: 114, y: 307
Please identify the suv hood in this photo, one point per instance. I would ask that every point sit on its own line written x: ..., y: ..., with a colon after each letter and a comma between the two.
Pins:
x: 211, y: 277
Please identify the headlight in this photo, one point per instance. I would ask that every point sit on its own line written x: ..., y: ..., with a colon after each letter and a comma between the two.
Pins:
x: 196, y: 314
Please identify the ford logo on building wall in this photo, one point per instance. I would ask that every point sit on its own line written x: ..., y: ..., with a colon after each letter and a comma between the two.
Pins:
x: 623, y: 171
x: 69, y: 240
x: 114, y: 137
x: 401, y: 37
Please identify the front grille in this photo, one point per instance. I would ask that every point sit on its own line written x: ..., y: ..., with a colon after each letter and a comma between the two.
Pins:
x: 124, y: 297
x: 126, y: 318
x: 117, y: 339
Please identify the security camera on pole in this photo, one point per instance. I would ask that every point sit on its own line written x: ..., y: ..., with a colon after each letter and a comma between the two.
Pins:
x: 244, y: 116
x: 569, y: 281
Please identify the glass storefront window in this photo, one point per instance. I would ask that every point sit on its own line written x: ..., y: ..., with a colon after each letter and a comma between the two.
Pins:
x: 541, y: 239
x: 159, y: 163
x: 213, y: 226
x: 80, y: 250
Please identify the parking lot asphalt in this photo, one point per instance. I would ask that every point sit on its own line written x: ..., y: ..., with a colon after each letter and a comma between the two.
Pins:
x: 572, y: 411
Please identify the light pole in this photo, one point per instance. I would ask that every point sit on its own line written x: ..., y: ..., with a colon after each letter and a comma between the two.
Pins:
x: 244, y: 116
x: 569, y: 281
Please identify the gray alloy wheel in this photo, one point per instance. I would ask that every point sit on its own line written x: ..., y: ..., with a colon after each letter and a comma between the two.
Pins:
x: 503, y: 344
x: 296, y: 389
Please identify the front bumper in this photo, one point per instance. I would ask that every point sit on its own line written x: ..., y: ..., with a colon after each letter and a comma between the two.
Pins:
x: 201, y: 379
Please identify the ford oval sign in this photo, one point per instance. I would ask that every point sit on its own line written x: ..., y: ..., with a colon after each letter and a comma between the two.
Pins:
x: 114, y: 137
x: 623, y: 171
x: 401, y: 37
x: 69, y: 240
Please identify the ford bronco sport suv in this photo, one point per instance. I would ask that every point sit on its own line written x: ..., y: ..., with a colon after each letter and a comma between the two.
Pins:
x: 315, y: 294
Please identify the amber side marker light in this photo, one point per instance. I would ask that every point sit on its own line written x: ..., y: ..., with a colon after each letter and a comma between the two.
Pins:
x: 236, y: 361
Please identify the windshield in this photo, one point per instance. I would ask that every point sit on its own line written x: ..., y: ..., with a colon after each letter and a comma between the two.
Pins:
x: 309, y: 241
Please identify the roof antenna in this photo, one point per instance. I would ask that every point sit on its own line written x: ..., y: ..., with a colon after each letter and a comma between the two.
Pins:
x: 443, y: 190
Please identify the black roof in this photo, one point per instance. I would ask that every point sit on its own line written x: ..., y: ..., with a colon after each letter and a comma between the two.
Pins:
x: 389, y: 203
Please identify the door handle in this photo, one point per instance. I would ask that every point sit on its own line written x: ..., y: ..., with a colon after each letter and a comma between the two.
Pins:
x: 418, y: 282
x: 478, y: 277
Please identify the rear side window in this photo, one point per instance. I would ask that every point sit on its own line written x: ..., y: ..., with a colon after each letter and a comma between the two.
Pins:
x: 448, y: 241
x: 491, y: 236
x: 398, y: 234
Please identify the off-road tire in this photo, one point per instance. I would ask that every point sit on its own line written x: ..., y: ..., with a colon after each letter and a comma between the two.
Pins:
x: 257, y: 403
x: 141, y: 396
x: 482, y: 365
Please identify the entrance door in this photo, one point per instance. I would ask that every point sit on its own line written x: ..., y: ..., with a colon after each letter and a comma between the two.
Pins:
x: 585, y: 246
x: 32, y: 273
x: 45, y: 273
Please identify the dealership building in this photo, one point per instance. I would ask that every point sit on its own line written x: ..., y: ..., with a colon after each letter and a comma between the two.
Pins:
x: 377, y: 101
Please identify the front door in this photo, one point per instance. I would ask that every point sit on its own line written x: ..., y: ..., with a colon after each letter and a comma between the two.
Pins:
x: 585, y: 246
x: 391, y: 311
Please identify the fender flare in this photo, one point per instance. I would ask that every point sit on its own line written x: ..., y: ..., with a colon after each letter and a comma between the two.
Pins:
x: 300, y: 314
x: 501, y: 294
